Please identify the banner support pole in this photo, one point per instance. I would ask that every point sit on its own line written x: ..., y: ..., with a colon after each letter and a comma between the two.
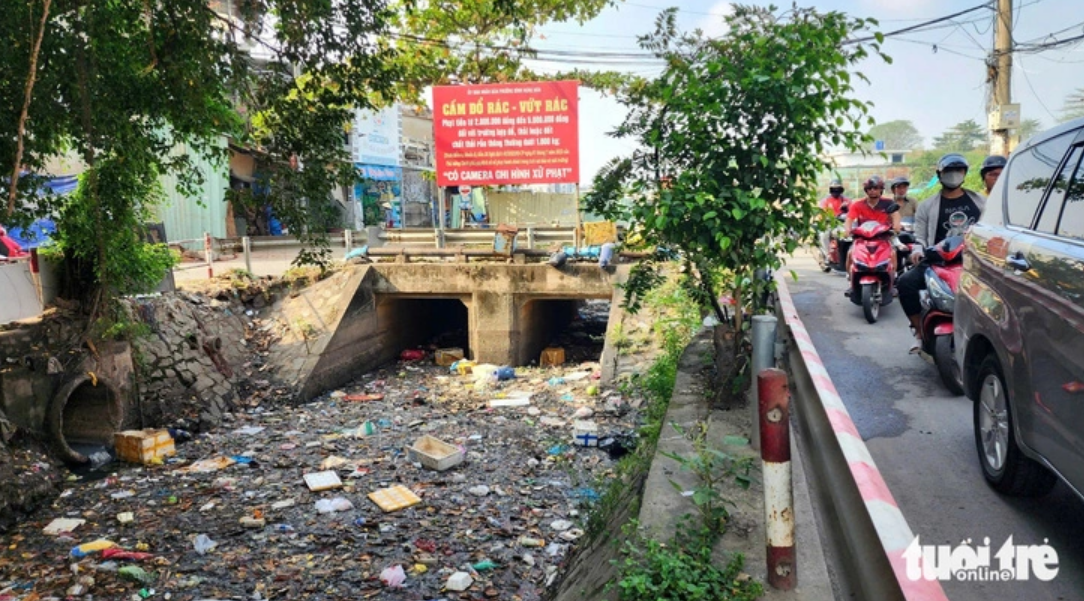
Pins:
x: 579, y: 220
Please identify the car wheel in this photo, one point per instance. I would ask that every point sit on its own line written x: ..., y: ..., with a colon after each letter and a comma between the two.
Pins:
x: 945, y: 357
x: 1004, y: 466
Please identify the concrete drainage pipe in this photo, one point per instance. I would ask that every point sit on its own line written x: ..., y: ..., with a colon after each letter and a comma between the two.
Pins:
x: 85, y: 410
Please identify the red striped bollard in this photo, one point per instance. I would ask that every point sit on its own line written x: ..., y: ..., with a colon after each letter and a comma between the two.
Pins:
x: 774, y: 404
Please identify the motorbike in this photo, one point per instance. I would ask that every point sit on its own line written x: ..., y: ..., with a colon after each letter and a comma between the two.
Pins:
x: 873, y: 272
x: 943, y: 264
x: 906, y: 246
x: 837, y: 249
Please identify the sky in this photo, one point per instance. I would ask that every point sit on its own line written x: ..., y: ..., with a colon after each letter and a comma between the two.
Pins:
x: 933, y: 90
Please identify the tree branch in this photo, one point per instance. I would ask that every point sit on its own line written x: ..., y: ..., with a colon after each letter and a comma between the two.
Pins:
x: 21, y: 131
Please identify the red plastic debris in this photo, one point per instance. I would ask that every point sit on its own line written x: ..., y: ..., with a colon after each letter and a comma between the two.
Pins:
x: 412, y: 355
x: 426, y: 545
x: 363, y: 397
x: 115, y: 553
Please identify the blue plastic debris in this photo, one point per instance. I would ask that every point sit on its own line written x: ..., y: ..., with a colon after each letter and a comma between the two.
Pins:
x: 557, y: 449
x: 505, y: 373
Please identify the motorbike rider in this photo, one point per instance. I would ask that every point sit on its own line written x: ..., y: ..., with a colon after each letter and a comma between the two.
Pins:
x: 908, y: 205
x: 949, y: 212
x: 991, y: 170
x: 873, y: 208
x: 837, y: 203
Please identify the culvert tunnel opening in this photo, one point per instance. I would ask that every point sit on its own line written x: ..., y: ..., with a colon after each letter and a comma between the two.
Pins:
x: 433, y: 323
x: 577, y: 326
x: 87, y: 413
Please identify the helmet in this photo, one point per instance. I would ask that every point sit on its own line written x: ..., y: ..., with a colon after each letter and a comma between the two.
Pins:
x: 875, y: 181
x: 835, y: 183
x: 952, y: 160
x: 994, y: 161
x: 899, y: 181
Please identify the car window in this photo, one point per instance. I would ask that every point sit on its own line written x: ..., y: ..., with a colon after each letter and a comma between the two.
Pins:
x: 1048, y: 221
x: 1029, y: 174
x: 1072, y: 216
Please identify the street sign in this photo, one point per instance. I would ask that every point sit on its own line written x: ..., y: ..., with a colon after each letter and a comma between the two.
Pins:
x: 507, y: 133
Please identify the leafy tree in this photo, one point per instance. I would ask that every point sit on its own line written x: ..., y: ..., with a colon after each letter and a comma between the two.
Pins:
x: 964, y: 136
x: 1028, y: 128
x: 1074, y: 105
x: 125, y: 83
x: 897, y: 135
x: 731, y: 134
x: 477, y: 41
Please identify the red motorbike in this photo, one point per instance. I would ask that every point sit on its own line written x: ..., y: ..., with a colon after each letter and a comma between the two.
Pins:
x: 873, y: 272
x: 943, y: 264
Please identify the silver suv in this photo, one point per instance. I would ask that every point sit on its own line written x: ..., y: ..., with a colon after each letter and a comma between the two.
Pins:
x: 1019, y: 318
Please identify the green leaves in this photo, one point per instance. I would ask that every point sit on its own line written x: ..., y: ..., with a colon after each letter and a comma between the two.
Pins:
x: 735, y: 128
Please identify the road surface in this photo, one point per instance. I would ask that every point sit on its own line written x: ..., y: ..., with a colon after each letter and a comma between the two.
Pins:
x: 922, y: 440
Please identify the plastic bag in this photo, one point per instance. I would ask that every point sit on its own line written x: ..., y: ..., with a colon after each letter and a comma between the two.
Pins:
x: 394, y: 576
x: 505, y: 373
x: 333, y: 505
x: 203, y: 544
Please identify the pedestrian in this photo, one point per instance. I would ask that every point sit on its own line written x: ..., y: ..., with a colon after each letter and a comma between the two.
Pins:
x: 949, y: 212
x: 991, y: 170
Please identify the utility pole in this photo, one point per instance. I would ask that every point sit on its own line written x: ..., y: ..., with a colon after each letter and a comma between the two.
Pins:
x: 1004, y: 115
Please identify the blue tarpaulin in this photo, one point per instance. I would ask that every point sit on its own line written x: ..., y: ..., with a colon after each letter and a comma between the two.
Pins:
x: 38, y: 234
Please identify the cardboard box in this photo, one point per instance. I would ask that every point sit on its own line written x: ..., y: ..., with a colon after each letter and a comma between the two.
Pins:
x: 434, y: 453
x: 585, y: 433
x: 144, y: 446
x: 552, y: 357
x: 395, y: 498
x: 445, y: 357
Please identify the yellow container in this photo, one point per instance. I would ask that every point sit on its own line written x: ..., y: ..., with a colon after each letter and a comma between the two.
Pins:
x: 597, y: 233
x: 552, y: 357
x: 445, y: 357
x: 147, y: 447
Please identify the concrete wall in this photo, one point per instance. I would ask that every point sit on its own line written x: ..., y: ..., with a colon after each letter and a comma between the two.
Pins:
x: 54, y: 384
x: 18, y: 292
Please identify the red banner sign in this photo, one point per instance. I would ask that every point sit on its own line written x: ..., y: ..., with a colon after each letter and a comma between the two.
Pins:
x: 514, y: 133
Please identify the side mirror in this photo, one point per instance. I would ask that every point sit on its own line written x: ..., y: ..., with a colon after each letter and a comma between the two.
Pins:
x: 844, y: 209
x: 906, y: 238
x: 892, y: 208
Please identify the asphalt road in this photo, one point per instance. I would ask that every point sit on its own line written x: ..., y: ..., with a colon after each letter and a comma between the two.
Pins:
x: 922, y: 440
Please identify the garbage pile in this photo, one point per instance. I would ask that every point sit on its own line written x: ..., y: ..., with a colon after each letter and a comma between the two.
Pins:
x: 420, y: 481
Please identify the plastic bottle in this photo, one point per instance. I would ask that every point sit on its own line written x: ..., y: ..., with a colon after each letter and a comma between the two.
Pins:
x: 606, y: 255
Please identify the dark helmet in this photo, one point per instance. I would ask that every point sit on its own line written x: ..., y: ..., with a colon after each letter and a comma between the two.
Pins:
x: 952, y: 160
x: 994, y: 161
x: 899, y: 181
x: 835, y: 183
x: 875, y: 181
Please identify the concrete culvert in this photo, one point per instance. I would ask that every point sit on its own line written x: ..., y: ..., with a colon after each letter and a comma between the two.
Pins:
x: 85, y: 411
x: 413, y: 322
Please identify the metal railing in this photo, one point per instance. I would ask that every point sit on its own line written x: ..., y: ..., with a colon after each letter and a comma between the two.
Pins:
x: 404, y: 243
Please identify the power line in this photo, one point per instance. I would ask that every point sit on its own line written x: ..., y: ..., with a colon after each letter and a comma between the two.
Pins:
x: 1034, y: 93
x: 924, y: 25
